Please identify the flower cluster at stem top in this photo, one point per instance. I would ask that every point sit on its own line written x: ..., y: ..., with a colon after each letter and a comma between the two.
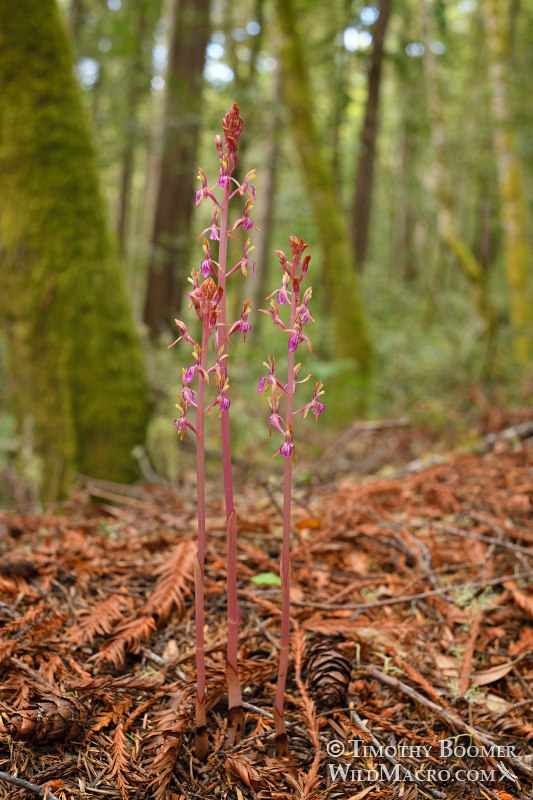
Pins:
x: 290, y: 294
x: 206, y: 295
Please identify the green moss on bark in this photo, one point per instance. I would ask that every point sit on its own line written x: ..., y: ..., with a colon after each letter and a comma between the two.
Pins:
x: 75, y: 362
x: 352, y: 338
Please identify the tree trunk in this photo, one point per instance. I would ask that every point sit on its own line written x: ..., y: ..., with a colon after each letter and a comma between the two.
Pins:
x: 75, y: 362
x: 351, y: 335
x: 131, y: 135
x: 264, y: 247
x: 517, y: 253
x: 447, y: 227
x: 171, y: 233
x: 364, y: 181
x: 75, y: 17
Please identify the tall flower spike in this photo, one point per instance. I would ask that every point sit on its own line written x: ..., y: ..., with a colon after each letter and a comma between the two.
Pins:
x: 207, y: 297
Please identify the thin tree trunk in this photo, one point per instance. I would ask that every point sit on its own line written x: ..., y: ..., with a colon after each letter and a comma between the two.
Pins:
x: 447, y: 227
x: 134, y: 94
x: 402, y: 254
x: 170, y: 237
x: 75, y: 17
x: 364, y: 181
x: 351, y: 335
x: 268, y: 193
x: 517, y: 252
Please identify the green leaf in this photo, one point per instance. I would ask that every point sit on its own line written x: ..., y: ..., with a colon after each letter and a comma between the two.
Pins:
x: 269, y: 578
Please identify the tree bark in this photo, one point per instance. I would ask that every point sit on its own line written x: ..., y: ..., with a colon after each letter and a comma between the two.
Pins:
x: 364, y: 181
x: 447, y: 226
x: 75, y: 362
x: 131, y: 136
x: 517, y: 252
x: 264, y: 247
x: 351, y: 335
x: 170, y: 237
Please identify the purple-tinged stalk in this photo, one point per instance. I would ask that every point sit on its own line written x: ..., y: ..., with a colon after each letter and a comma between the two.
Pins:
x: 206, y: 301
x: 209, y: 301
x: 228, y: 154
x: 294, y: 273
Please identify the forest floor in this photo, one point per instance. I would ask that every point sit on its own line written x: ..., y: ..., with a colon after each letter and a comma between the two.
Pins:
x: 412, y: 639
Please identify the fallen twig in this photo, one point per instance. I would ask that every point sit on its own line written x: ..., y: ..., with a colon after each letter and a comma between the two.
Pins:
x: 42, y: 791
x: 408, y: 598
x: 478, y: 537
x: 446, y: 716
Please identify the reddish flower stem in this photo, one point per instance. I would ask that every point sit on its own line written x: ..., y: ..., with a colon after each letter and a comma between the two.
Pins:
x: 235, y: 711
x: 282, y: 745
x: 201, y: 741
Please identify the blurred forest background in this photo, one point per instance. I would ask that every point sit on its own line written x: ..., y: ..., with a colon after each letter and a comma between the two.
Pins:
x: 394, y: 136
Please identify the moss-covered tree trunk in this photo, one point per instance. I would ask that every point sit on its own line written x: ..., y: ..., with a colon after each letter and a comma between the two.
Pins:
x: 517, y: 251
x: 75, y: 362
x: 352, y: 339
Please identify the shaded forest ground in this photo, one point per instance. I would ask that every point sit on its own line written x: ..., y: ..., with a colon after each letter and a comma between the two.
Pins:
x: 412, y: 624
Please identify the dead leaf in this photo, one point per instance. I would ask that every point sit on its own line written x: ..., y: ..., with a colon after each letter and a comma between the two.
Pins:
x: 492, y: 702
x: 448, y: 666
x: 492, y: 674
x: 524, y: 643
x: 522, y: 600
x: 244, y: 770
x: 307, y: 522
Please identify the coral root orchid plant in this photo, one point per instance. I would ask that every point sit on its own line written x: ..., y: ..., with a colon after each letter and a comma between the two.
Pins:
x: 289, y: 294
x: 208, y: 299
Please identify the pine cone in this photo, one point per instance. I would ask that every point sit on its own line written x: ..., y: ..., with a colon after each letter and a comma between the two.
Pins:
x: 18, y: 564
x: 328, y: 676
x: 54, y: 719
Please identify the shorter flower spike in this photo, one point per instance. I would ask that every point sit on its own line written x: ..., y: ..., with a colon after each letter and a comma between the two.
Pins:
x: 289, y: 294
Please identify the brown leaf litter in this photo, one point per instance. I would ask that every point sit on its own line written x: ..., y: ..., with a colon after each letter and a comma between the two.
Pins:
x: 411, y: 672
